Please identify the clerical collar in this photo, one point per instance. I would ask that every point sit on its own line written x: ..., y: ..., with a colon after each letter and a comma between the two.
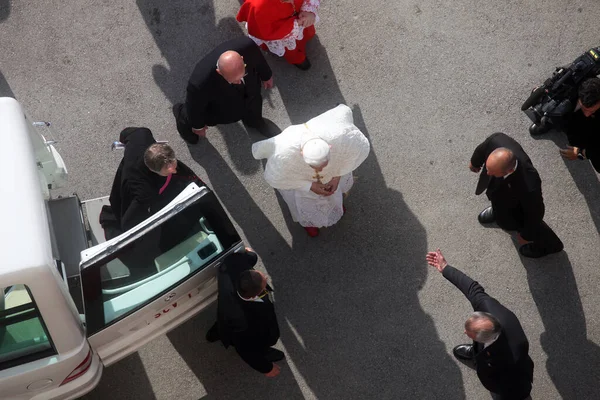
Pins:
x: 486, y: 344
x: 513, y: 171
x: 257, y: 299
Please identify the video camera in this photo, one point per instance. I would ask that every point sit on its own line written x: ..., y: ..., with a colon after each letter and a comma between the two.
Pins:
x: 558, y: 95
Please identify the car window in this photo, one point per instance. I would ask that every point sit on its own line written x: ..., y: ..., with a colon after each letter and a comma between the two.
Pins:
x: 23, y: 335
x: 164, y: 257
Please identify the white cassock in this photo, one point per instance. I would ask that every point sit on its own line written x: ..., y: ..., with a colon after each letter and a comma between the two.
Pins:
x: 287, y: 171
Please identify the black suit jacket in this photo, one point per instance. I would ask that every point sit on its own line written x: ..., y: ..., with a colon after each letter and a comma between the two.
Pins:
x: 584, y: 132
x: 504, y: 367
x: 251, y: 327
x: 135, y: 191
x: 211, y: 100
x: 519, y: 192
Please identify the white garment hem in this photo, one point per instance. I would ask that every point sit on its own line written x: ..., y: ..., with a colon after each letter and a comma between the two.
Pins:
x: 312, y: 210
x: 279, y: 46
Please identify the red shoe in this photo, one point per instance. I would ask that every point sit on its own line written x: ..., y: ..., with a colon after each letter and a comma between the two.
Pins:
x: 344, y: 210
x: 312, y: 231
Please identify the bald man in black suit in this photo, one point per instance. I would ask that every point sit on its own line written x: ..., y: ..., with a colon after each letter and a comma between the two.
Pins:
x: 514, y: 187
x: 224, y: 88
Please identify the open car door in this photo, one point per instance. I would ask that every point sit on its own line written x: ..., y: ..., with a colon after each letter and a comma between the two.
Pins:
x: 157, y: 275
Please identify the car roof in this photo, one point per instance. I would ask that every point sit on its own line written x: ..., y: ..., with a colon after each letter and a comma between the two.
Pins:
x: 24, y: 237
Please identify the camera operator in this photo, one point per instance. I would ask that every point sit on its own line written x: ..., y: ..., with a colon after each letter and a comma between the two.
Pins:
x: 583, y: 125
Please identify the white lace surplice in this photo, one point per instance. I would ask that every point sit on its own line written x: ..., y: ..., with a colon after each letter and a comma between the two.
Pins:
x: 287, y: 171
x: 279, y: 46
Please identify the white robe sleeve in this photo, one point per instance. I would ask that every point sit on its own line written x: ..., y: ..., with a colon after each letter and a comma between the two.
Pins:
x: 286, y: 169
x: 349, y: 146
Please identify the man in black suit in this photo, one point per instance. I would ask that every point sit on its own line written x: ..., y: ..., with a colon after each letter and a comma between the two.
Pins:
x: 225, y: 87
x: 582, y: 125
x: 500, y: 348
x: 246, y: 315
x: 148, y: 178
x: 515, y: 189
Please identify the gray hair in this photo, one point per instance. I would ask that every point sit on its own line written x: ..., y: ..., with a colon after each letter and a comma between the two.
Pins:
x: 483, y: 335
x: 158, y: 155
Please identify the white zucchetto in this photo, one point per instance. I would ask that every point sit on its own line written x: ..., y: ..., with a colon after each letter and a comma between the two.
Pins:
x: 315, y: 152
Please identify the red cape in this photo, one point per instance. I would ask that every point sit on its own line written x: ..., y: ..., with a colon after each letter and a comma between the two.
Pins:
x: 268, y: 19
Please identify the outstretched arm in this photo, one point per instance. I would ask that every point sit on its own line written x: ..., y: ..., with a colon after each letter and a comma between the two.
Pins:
x: 472, y: 290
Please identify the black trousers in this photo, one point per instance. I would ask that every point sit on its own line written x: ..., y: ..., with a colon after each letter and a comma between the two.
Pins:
x: 543, y: 236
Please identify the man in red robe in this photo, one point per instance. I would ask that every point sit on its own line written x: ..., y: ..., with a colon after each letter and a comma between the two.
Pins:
x: 281, y: 26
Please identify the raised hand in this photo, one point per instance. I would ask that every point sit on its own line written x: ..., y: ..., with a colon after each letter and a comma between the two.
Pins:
x: 436, y: 259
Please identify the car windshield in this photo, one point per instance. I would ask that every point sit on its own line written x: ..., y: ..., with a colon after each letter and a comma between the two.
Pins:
x: 23, y: 335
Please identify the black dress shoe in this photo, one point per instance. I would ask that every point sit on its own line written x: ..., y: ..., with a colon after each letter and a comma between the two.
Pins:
x: 304, y: 65
x: 274, y: 355
x: 264, y: 126
x: 487, y: 216
x: 537, y: 130
x: 213, y: 333
x: 530, y: 250
x: 464, y: 352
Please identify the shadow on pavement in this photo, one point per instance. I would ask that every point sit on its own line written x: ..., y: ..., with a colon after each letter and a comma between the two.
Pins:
x: 5, y: 90
x: 573, y: 359
x: 214, y: 365
x: 307, y: 94
x: 184, y: 31
x: 4, y: 10
x: 584, y: 175
x: 125, y: 380
x: 347, y: 302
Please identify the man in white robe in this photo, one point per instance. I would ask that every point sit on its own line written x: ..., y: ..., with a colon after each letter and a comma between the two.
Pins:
x: 311, y: 165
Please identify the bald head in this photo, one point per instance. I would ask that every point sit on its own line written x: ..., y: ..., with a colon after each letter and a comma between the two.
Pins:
x: 231, y: 67
x: 500, y: 162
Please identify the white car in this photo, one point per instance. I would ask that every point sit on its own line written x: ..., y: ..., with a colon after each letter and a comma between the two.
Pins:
x: 71, y: 302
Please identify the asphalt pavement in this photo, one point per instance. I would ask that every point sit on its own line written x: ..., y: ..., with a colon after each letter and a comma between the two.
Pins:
x: 362, y: 315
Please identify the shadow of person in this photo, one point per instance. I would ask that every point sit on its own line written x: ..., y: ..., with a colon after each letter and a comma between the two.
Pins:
x: 353, y: 299
x: 584, y: 176
x: 573, y: 359
x: 135, y: 381
x: 347, y: 302
x: 4, y: 10
x: 5, y: 90
x: 306, y: 94
x: 352, y: 329
x: 184, y: 31
x: 368, y: 271
x: 211, y: 362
